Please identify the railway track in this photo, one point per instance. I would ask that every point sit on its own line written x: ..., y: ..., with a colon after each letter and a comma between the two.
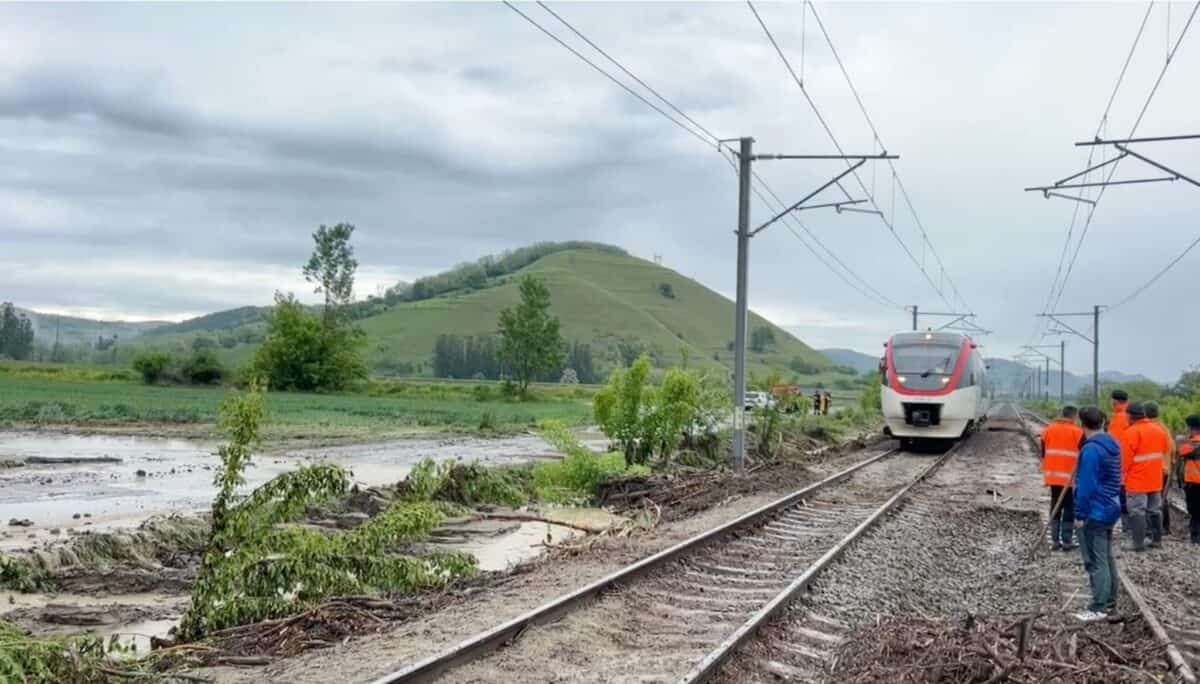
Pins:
x: 678, y: 615
x: 1160, y: 584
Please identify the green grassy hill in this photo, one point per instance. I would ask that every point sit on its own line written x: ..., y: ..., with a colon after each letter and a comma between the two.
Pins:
x: 600, y: 298
x: 601, y: 295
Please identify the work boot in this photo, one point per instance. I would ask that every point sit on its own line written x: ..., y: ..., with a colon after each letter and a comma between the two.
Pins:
x: 1156, y: 529
x: 1137, y: 530
x: 1066, y: 534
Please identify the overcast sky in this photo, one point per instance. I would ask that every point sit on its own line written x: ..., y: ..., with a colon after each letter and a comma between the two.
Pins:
x: 163, y: 161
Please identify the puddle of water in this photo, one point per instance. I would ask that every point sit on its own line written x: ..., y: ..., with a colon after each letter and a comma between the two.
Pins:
x: 179, y: 474
x: 528, y: 541
x: 138, y: 634
x: 498, y: 544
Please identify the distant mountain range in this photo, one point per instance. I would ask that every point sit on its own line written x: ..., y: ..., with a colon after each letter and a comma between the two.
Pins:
x: 76, y: 331
x: 863, y: 363
x: 1009, y: 375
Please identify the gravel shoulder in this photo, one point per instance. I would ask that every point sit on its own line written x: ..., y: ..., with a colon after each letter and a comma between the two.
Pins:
x: 959, y: 546
x: 657, y: 627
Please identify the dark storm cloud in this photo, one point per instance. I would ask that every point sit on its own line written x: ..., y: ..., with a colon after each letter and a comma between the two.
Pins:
x: 162, y: 160
x: 61, y: 94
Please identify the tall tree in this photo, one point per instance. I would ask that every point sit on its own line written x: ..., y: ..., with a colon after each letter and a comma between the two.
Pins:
x: 331, y: 268
x: 530, y: 342
x: 302, y: 351
x: 16, y: 333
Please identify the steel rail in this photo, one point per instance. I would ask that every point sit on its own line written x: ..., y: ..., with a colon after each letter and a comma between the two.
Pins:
x: 428, y: 669
x: 713, y: 661
x: 1179, y: 665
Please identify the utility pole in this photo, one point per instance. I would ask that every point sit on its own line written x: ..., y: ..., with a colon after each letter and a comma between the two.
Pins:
x: 745, y: 176
x: 1096, y: 354
x: 1094, y: 340
x: 1062, y: 372
x: 1061, y: 346
x: 914, y: 312
x: 745, y: 156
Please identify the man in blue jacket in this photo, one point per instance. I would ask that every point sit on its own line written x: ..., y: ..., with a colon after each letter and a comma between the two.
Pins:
x: 1097, y: 509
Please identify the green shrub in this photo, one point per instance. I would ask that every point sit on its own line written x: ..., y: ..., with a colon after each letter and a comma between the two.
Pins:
x: 577, y: 477
x: 467, y: 484
x: 488, y: 421
x: 18, y: 576
x: 150, y: 365
x: 76, y: 659
x: 872, y: 394
x: 202, y: 368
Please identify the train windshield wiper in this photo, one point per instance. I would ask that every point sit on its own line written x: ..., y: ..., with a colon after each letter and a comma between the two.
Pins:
x: 936, y: 369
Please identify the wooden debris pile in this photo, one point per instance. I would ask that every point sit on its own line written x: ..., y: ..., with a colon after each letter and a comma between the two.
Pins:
x: 1033, y: 648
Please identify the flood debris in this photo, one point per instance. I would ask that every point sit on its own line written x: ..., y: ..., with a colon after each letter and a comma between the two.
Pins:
x: 997, y: 648
x: 71, y: 460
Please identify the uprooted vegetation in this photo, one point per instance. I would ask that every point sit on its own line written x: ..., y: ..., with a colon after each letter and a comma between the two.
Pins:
x: 262, y: 563
x: 1043, y: 648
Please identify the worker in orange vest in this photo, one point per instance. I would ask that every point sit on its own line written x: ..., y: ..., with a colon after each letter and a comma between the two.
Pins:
x: 1168, y: 463
x: 1189, y: 453
x: 1143, y: 448
x: 1117, y: 425
x: 1119, y: 422
x: 1061, y: 441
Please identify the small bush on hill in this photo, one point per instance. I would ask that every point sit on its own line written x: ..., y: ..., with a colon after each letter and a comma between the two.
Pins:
x: 803, y: 367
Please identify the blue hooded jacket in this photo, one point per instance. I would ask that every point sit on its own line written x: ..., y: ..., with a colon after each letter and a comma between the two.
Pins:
x: 1098, y: 480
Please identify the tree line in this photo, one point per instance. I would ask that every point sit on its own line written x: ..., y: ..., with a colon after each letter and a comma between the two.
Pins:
x: 479, y: 357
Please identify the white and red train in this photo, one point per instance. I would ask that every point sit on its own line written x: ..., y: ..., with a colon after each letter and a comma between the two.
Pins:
x: 935, y: 386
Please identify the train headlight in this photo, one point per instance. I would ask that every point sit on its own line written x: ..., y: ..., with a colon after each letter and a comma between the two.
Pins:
x: 901, y: 378
x: 945, y: 380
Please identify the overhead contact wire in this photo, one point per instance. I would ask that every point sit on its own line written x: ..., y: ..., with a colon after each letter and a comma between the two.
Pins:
x: 833, y: 138
x: 877, y: 296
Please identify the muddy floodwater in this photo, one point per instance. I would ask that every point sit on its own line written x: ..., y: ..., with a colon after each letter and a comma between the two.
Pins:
x: 115, y: 481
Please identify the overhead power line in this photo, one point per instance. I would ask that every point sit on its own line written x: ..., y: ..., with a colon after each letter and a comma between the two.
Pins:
x: 706, y: 136
x: 889, y: 223
x: 1113, y: 168
x: 1055, y: 289
x: 610, y: 77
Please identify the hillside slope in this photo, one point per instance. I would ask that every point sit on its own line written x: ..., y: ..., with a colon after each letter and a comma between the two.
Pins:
x: 73, y: 330
x: 863, y: 363
x: 600, y: 298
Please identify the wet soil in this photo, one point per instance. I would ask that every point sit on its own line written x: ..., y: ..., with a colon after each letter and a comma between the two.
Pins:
x: 112, y: 481
x: 366, y: 657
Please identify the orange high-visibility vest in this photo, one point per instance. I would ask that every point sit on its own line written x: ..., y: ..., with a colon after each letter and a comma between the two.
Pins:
x: 1119, y: 423
x: 1189, y: 451
x: 1143, y: 448
x: 1169, y: 457
x: 1060, y: 451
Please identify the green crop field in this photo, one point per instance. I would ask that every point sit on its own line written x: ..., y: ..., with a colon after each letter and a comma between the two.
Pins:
x: 52, y: 395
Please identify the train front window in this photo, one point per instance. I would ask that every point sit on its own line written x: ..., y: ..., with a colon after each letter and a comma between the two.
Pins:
x: 924, y: 366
